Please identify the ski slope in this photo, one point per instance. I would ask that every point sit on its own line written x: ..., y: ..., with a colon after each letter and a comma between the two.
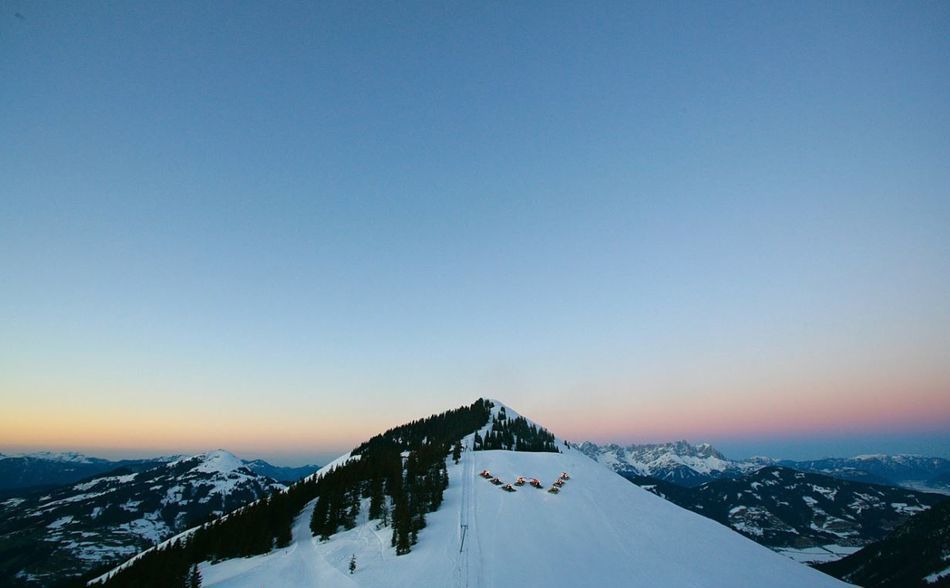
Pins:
x: 600, y: 530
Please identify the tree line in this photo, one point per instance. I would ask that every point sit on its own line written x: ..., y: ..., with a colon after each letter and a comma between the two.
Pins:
x: 400, y: 472
x: 515, y: 435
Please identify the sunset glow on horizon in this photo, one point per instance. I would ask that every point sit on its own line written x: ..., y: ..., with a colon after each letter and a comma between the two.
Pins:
x: 296, y: 435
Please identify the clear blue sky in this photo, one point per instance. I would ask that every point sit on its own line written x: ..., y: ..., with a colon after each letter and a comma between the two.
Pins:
x: 282, y: 227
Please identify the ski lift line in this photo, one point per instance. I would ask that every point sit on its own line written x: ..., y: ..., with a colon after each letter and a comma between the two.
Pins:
x: 469, y: 470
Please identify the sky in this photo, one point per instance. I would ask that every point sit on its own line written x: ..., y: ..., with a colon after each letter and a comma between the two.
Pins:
x: 283, y: 228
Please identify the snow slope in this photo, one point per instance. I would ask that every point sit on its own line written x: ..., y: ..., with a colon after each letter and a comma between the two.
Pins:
x: 599, y: 530
x: 217, y: 461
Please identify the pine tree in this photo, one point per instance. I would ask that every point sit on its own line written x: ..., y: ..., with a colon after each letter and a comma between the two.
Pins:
x: 194, y: 577
x: 402, y: 523
x: 385, y: 513
x: 283, y: 537
x: 353, y: 564
x: 377, y: 499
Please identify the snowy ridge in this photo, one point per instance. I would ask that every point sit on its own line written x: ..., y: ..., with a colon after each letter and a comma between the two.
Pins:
x: 217, y: 461
x: 77, y: 458
x: 497, y: 405
x: 224, y: 461
x: 57, y: 456
x: 931, y: 474
x: 686, y: 464
x: 333, y: 464
x: 679, y: 461
x: 117, y: 514
x: 598, y: 530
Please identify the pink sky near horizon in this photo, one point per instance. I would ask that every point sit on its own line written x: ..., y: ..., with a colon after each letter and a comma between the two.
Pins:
x: 796, y: 388
x: 714, y: 416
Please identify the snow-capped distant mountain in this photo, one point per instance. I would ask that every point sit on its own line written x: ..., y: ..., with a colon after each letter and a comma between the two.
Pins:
x: 683, y: 463
x: 679, y: 462
x: 462, y: 517
x: 46, y: 469
x: 72, y: 529
x: 284, y: 475
x: 62, y: 456
x: 912, y: 471
x: 809, y: 517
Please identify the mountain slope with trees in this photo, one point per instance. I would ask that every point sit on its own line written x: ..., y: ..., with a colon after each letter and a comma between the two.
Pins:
x: 46, y: 537
x: 399, y: 473
x: 810, y: 517
x: 688, y: 464
x: 386, y: 508
x: 916, y: 555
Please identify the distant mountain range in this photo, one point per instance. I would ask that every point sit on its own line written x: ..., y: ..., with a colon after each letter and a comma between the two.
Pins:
x: 48, y: 469
x: 69, y: 530
x: 691, y: 465
x: 809, y: 517
x: 912, y: 471
x: 679, y: 462
x: 872, y: 510
x: 284, y: 475
x: 59, y: 521
x: 37, y: 471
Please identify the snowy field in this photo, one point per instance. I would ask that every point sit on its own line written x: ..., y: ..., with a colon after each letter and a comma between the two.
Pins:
x: 821, y: 554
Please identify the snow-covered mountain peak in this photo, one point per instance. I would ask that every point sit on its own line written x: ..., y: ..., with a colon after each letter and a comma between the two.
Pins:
x: 499, y: 407
x: 505, y: 428
x: 677, y: 461
x: 58, y: 456
x: 685, y: 448
x: 436, y: 502
x: 870, y: 456
x: 598, y: 530
x: 897, y: 458
x: 707, y: 450
x: 220, y: 461
x: 117, y: 513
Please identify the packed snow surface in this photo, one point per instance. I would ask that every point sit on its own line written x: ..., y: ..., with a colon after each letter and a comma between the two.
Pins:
x: 819, y: 554
x: 600, y: 530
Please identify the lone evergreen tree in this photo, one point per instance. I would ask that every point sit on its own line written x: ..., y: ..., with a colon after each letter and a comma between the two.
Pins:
x: 353, y: 564
x: 194, y: 577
